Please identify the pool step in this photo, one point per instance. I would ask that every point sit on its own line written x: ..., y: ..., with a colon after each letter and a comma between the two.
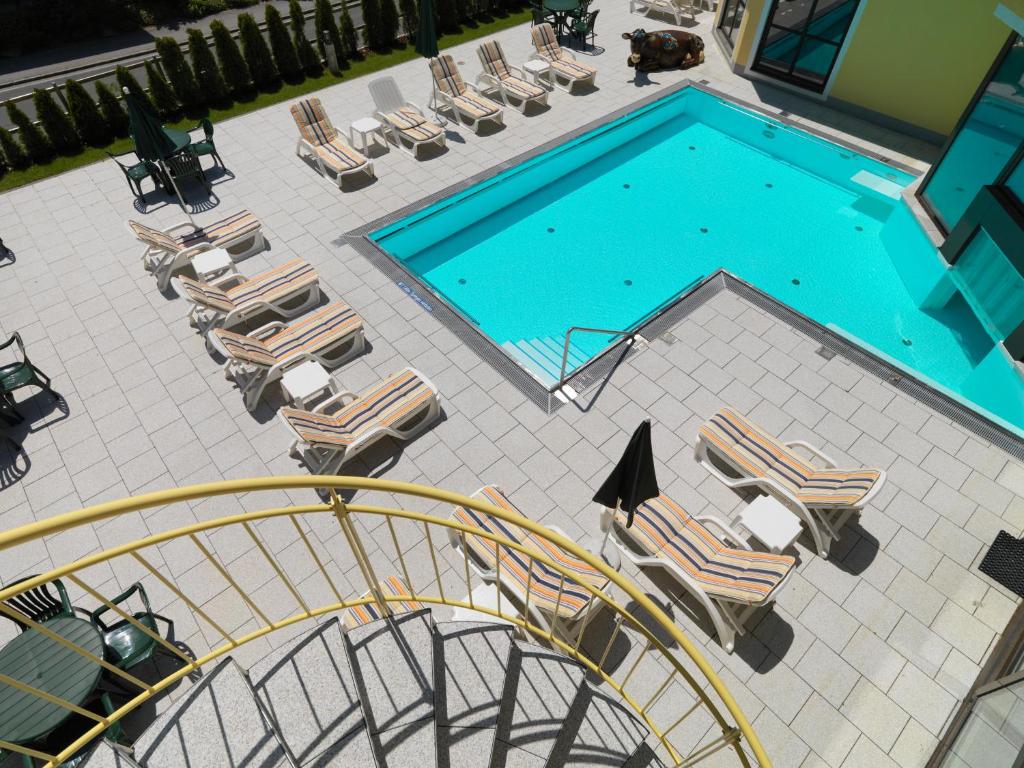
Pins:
x: 543, y: 357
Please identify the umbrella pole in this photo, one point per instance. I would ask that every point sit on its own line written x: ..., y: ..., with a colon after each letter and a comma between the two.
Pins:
x: 177, y: 193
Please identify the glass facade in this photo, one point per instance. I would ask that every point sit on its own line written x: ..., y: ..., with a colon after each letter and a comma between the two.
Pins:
x: 732, y: 15
x: 1015, y: 182
x: 985, y: 142
x: 802, y: 39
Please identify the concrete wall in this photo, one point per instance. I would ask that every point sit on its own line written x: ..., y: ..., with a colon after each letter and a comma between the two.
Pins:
x: 920, y: 61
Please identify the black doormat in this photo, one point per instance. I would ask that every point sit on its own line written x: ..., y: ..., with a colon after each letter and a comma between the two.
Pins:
x: 1004, y: 562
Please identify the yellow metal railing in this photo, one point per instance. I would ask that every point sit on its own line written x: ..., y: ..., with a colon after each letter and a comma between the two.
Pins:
x: 665, y: 686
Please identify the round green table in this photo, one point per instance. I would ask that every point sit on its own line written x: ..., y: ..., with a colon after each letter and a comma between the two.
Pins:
x: 36, y: 660
x: 561, y: 10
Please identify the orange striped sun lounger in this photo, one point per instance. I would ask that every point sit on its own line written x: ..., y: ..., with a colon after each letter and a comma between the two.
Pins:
x: 400, y: 406
x: 287, y: 290
x: 323, y: 144
x: 330, y: 335
x: 509, y: 81
x: 566, y: 72
x: 464, y: 101
x: 550, y: 594
x: 170, y: 250
x: 722, y: 578
x: 392, y: 586
x: 823, y: 497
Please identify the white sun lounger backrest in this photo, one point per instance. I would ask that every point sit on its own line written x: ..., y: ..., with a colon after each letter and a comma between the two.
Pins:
x: 385, y: 94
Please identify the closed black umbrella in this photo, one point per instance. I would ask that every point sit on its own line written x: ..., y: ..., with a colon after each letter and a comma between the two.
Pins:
x: 633, y: 481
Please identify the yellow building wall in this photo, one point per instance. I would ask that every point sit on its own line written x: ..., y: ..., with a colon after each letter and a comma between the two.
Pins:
x: 921, y: 61
x: 746, y: 38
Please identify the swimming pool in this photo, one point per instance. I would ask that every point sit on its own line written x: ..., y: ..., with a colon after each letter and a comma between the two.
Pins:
x: 608, y: 228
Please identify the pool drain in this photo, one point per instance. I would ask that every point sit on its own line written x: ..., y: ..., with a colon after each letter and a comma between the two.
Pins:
x: 627, y: 282
x: 625, y: 186
x: 692, y: 147
x: 704, y: 230
x: 859, y: 228
x: 769, y: 185
x: 551, y: 229
x: 462, y: 281
x: 907, y: 342
x: 795, y: 281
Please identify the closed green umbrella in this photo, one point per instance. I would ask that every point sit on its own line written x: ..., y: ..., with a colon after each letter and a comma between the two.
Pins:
x: 426, y: 31
x: 151, y: 141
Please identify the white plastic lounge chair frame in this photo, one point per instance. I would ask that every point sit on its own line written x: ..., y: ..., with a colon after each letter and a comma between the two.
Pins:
x: 441, y: 99
x: 164, y: 262
x: 387, y: 98
x: 326, y: 460
x: 204, y: 318
x: 487, y: 83
x: 728, y: 617
x: 674, y: 8
x: 825, y: 525
x: 252, y: 378
x: 560, y: 626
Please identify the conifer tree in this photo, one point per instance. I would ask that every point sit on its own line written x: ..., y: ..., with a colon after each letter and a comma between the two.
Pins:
x: 125, y: 79
x: 113, y: 113
x: 204, y: 65
x: 327, y: 28
x: 388, y: 22
x: 179, y: 73
x: 285, y: 57
x: 92, y: 127
x: 308, y: 58
x: 36, y: 143
x: 257, y: 54
x: 349, y: 40
x: 56, y: 123
x: 232, y: 63
x: 17, y: 157
x: 166, y: 103
x: 373, y: 32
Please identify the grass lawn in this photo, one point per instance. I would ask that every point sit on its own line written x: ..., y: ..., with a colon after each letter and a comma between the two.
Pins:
x: 371, y: 63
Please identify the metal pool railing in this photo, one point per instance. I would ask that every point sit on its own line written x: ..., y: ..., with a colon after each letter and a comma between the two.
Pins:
x: 663, y: 677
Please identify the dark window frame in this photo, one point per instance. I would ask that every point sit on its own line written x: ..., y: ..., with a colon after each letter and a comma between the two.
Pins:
x: 933, y: 214
x: 725, y: 37
x: 804, y: 35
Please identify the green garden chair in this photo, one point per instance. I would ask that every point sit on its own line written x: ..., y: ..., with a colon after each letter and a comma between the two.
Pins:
x: 124, y: 644
x: 14, y: 376
x: 39, y: 604
x: 184, y: 166
x: 206, y: 146
x: 137, y: 173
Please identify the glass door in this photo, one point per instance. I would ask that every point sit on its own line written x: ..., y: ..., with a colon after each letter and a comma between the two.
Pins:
x: 732, y: 15
x: 993, y: 733
x: 801, y: 40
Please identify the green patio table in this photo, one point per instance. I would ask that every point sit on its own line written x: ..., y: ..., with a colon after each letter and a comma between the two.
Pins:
x: 180, y: 138
x: 561, y: 10
x: 36, y: 660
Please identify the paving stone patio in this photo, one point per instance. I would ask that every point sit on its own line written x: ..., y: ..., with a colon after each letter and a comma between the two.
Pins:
x: 865, y: 655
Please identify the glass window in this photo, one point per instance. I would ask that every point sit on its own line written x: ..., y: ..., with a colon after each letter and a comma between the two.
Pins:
x: 991, y: 284
x: 732, y: 15
x: 985, y: 142
x: 994, y: 731
x: 1015, y: 182
x: 802, y: 39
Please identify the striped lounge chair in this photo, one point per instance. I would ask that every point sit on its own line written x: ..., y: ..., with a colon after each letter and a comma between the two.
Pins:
x: 288, y: 290
x: 170, y: 250
x: 730, y: 583
x: 403, y: 121
x: 509, y: 81
x: 823, y: 497
x: 331, y: 335
x: 464, y: 101
x: 392, y: 586
x: 323, y: 144
x: 400, y: 406
x: 562, y: 604
x: 566, y: 72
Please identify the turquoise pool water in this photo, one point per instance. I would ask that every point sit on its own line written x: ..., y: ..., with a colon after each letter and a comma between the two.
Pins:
x: 608, y: 228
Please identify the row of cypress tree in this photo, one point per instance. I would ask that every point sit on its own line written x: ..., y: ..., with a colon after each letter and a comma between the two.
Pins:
x: 201, y: 79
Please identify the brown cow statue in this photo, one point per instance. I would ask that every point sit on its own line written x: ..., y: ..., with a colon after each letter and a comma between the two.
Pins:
x: 663, y: 50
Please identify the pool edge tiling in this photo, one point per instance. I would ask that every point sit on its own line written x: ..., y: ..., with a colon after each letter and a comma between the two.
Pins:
x: 540, y: 390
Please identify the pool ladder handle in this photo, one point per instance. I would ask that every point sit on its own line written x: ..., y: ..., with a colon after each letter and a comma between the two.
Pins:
x: 583, y: 329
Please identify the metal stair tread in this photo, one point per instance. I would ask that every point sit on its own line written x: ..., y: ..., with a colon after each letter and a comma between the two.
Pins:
x: 307, y: 690
x: 473, y: 660
x: 392, y: 665
x: 220, y: 722
x: 605, y: 733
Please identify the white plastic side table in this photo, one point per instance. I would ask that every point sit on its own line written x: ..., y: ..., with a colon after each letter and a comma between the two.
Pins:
x: 367, y: 128
x: 307, y: 382
x: 486, y: 596
x: 212, y: 263
x: 771, y: 523
x: 538, y: 68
